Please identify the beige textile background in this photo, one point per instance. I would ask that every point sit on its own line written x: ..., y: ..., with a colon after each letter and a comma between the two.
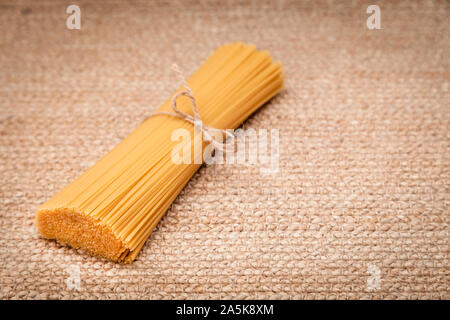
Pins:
x: 364, y: 177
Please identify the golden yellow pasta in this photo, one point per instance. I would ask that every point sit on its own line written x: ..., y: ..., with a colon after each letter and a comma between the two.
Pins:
x: 112, y: 208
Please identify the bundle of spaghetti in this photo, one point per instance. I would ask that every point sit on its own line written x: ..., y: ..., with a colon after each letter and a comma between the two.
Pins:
x: 112, y: 208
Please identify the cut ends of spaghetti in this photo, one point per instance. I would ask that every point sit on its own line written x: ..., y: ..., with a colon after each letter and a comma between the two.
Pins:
x: 80, y: 231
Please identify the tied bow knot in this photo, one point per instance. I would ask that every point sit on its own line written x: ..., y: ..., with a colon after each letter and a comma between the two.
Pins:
x: 196, y: 119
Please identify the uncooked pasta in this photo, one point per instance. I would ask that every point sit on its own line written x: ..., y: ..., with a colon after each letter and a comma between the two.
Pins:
x: 112, y: 208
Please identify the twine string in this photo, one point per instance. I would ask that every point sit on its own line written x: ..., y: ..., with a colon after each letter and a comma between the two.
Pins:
x: 196, y: 119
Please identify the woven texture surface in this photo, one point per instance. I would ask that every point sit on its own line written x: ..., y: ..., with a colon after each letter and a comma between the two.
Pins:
x: 358, y: 209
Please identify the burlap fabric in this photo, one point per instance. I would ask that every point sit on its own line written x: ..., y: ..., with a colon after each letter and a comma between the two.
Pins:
x: 358, y: 209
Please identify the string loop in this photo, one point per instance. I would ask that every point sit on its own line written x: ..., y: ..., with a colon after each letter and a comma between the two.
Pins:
x: 196, y: 119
